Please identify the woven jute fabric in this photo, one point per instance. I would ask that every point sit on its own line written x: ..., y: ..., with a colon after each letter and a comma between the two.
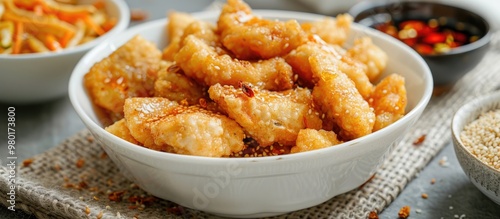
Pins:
x: 76, y: 179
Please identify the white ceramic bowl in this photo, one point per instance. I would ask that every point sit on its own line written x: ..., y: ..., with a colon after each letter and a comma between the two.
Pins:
x: 38, y: 77
x: 484, y: 177
x: 251, y: 187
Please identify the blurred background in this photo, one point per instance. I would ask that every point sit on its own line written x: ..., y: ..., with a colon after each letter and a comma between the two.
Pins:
x: 488, y: 8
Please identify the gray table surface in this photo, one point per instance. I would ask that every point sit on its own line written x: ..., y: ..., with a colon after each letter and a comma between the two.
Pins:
x: 42, y: 126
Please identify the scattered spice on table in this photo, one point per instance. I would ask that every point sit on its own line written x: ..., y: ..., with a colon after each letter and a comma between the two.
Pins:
x: 373, y: 215
x: 419, y: 140
x: 80, y: 162
x: 116, y: 196
x: 404, y: 212
x: 444, y: 162
x: 425, y: 196
x: 27, y: 162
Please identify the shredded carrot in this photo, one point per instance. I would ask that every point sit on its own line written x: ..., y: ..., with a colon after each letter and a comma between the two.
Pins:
x: 71, y: 17
x: 51, y: 42
x: 38, y: 10
x: 18, y: 38
x: 109, y: 24
x: 55, y: 24
x: 40, y: 24
x: 27, y: 5
x: 99, y: 4
x: 66, y: 38
x: 88, y: 20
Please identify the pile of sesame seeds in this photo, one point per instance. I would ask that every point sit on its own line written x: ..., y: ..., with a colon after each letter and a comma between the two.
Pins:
x: 482, y: 138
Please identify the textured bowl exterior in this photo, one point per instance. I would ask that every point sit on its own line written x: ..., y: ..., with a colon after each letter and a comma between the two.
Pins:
x: 484, y: 177
x: 253, y: 187
x: 33, y: 78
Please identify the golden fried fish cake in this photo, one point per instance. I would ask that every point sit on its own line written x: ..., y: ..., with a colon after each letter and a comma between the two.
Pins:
x: 268, y: 116
x: 201, y: 29
x: 251, y: 37
x: 176, y: 86
x: 339, y: 99
x: 120, y: 129
x: 205, y: 65
x: 130, y: 71
x: 299, y: 60
x: 164, y: 125
x: 389, y: 101
x: 331, y: 30
x: 177, y: 22
x: 312, y: 139
x: 371, y: 55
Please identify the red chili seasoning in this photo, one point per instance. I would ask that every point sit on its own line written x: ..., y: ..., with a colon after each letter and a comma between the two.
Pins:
x: 427, y: 37
x: 247, y: 90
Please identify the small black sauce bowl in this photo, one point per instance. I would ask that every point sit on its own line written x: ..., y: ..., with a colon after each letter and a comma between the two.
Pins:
x: 446, y: 68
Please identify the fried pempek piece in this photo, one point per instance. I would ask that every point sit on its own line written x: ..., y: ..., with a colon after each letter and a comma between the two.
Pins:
x: 331, y: 30
x: 251, y: 37
x: 177, y: 22
x: 164, y: 125
x: 356, y: 71
x: 176, y: 86
x: 186, y: 25
x: 130, y: 71
x: 120, y: 129
x: 388, y: 100
x: 311, y: 139
x: 204, y: 64
x: 371, y: 55
x: 266, y: 115
x: 338, y: 98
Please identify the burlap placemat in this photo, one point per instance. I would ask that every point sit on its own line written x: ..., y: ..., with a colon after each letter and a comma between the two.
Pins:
x: 76, y: 179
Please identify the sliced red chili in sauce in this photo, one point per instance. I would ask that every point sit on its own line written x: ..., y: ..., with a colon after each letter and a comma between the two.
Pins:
x: 427, y: 37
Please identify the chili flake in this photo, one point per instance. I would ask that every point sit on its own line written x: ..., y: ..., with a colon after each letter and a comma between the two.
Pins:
x: 404, y: 212
x: 373, y: 215
x: 419, y: 140
x: 247, y: 90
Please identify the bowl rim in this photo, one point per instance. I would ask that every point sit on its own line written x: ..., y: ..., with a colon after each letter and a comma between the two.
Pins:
x: 483, y: 41
x: 460, y: 116
x: 122, y: 24
x: 308, y: 155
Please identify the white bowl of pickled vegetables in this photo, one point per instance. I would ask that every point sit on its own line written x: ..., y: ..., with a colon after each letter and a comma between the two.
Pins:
x: 243, y: 133
x: 41, y: 42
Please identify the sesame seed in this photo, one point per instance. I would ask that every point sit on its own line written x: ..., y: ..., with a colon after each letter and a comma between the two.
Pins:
x: 480, y: 137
